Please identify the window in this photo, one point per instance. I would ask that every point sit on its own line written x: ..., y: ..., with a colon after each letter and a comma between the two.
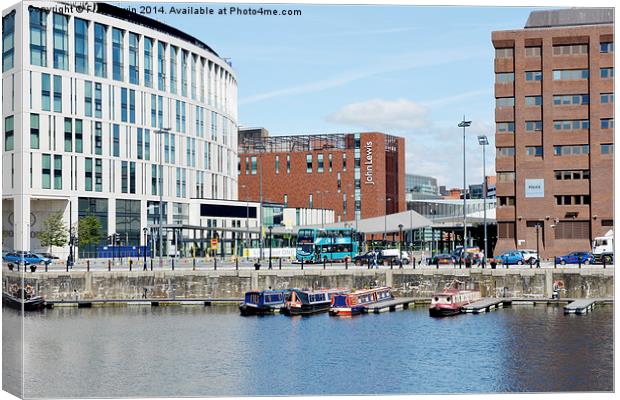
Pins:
x: 57, y: 93
x: 68, y: 135
x: 565, y: 175
x: 81, y: 45
x: 504, y: 201
x: 147, y: 144
x: 330, y: 161
x: 38, y: 37
x: 533, y: 100
x: 285, y: 200
x: 124, y: 104
x: 607, y: 47
x: 8, y: 39
x: 173, y: 69
x: 288, y: 164
x: 532, y: 126
x: 61, y: 41
x: 133, y: 58
x: 505, y: 102
x: 101, y: 62
x: 505, y: 151
x: 607, y: 123
x: 572, y: 230
x: 569, y: 49
x: 607, y: 98
x: 161, y: 66
x: 607, y: 148
x: 9, y: 133
x: 139, y: 140
x: 116, y: 140
x: 78, y: 136
x: 338, y: 182
x: 573, y: 99
x: 571, y: 150
x: 148, y: 62
x: 505, y: 177
x: 213, y: 125
x: 319, y: 159
x: 508, y: 127
x: 533, y: 75
x: 98, y: 95
x: 505, y: 77
x: 88, y: 174
x: 154, y: 179
x: 45, y: 92
x: 535, y: 151
x: 570, y: 74
x: 572, y: 200
x: 504, y: 53
x: 117, y: 54
x: 98, y: 138
x: 253, y: 163
x: 310, y: 201
x: 88, y: 98
x: 309, y: 163
x: 533, y: 51
x: 132, y: 106
x: 193, y: 72
x: 58, y: 172
x: 124, y: 176
x: 344, y: 162
x: 277, y: 165
x: 34, y: 131
x: 571, y: 125
x: 506, y: 230
x: 46, y: 171
x: 184, y: 73
x: 132, y: 177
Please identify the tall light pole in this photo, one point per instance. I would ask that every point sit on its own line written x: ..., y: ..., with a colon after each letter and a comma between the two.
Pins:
x: 385, y: 220
x: 464, y: 124
x: 247, y: 218
x: 160, y: 132
x: 484, y: 141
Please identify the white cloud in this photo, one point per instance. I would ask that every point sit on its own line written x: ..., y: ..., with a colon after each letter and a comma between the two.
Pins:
x: 383, y: 115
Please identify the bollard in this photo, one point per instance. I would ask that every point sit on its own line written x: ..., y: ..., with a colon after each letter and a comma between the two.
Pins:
x: 87, y: 266
x: 280, y: 263
x: 109, y: 265
x: 151, y: 264
x: 46, y: 267
x: 460, y: 262
x: 194, y: 264
x: 302, y: 263
x: 173, y: 264
x: 414, y: 262
x: 346, y: 263
x: 604, y: 262
x: 237, y: 264
x: 130, y: 264
x: 215, y: 263
x: 144, y: 267
x: 391, y: 263
x: 555, y: 262
x: 324, y: 261
x: 437, y: 263
x: 579, y: 262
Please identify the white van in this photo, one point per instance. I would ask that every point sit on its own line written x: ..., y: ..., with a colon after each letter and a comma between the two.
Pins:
x: 393, y: 254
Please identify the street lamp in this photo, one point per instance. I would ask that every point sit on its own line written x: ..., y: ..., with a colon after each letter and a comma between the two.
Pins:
x: 270, y: 228
x: 484, y: 141
x: 400, y: 243
x: 160, y: 132
x: 145, y: 230
x: 464, y: 124
x: 537, y: 246
x: 247, y: 218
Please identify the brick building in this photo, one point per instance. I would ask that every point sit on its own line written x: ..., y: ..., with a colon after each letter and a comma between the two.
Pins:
x: 554, y: 90
x: 358, y: 175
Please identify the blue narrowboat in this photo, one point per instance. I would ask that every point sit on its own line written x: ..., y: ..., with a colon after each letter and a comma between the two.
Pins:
x: 304, y: 301
x: 354, y: 303
x: 263, y: 302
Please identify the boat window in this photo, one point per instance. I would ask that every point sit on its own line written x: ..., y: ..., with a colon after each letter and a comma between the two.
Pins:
x: 436, y: 298
x: 449, y: 299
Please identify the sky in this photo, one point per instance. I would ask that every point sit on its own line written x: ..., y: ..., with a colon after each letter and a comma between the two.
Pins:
x: 411, y: 71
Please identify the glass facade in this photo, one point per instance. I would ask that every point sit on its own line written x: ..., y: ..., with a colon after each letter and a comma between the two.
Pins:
x: 8, y: 41
x: 81, y: 45
x: 38, y: 37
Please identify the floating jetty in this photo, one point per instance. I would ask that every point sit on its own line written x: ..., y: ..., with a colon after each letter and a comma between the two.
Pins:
x: 582, y: 306
x: 483, y: 305
x: 399, y: 303
x: 138, y: 302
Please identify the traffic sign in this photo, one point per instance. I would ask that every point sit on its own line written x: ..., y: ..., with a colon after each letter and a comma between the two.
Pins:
x: 213, y: 244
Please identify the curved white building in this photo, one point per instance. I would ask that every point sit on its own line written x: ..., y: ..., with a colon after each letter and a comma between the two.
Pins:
x: 93, y: 101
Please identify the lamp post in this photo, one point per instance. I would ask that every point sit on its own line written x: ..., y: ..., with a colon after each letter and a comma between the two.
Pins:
x: 145, y: 230
x: 270, y: 228
x: 484, y: 141
x: 247, y: 218
x: 400, y: 243
x: 538, y: 246
x: 160, y: 133
x: 385, y: 220
x: 464, y: 124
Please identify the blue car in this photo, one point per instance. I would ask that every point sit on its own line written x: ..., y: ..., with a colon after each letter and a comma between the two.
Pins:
x: 511, y: 258
x: 23, y: 257
x: 576, y: 257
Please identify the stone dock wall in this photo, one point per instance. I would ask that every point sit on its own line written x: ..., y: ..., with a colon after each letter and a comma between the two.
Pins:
x: 524, y: 283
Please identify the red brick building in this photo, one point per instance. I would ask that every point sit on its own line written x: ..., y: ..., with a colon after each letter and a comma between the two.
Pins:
x: 554, y: 90
x: 358, y: 175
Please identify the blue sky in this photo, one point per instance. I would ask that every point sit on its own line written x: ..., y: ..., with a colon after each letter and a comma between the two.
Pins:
x: 411, y: 71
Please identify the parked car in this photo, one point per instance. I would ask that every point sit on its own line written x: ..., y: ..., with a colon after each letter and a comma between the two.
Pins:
x: 473, y: 253
x: 576, y: 257
x: 441, y: 259
x: 48, y: 255
x: 24, y: 257
x: 363, y: 259
x: 529, y: 256
x: 511, y: 258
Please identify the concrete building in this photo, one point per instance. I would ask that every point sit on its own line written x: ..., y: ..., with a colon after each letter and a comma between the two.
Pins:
x: 554, y: 90
x: 88, y: 95
x: 358, y: 175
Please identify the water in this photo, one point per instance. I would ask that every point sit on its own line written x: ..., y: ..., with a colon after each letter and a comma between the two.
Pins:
x: 212, y: 351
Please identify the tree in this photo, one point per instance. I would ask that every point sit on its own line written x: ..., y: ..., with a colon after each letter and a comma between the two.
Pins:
x: 54, y: 232
x: 89, y: 230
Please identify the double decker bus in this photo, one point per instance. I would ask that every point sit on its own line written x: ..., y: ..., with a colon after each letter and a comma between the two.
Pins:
x: 330, y: 244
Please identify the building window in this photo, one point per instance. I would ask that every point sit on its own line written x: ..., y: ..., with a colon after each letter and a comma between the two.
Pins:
x: 288, y: 164
x: 148, y: 62
x: 9, y: 133
x: 147, y: 144
x: 505, y: 77
x: 567, y: 175
x: 58, y: 172
x: 132, y: 106
x: 532, y: 126
x: 505, y: 177
x: 68, y: 134
x: 57, y: 93
x: 310, y: 201
x: 570, y: 74
x: 506, y: 230
x: 116, y: 140
x: 607, y: 98
x: 173, y: 69
x: 277, y: 165
x: 88, y: 98
x: 285, y: 200
x: 98, y: 175
x: 533, y: 51
x: 504, y: 53
x: 78, y: 136
x: 571, y: 150
x: 98, y: 95
x: 34, y: 131
x: 38, y: 37
x: 45, y: 92
x: 505, y: 151
x: 607, y: 148
x: 572, y: 200
x: 309, y: 163
x: 139, y: 143
x: 339, y: 182
x: 344, y: 162
x: 124, y: 177
x: 506, y: 127
x: 8, y: 39
x: 505, y: 102
x: 46, y: 171
x: 572, y: 230
x: 133, y: 58
x: 117, y: 54
x: 533, y: 75
x: 124, y: 107
x: 98, y: 139
x: 574, y: 99
x: 193, y: 76
x: 571, y: 125
x: 607, y: 47
x: 184, y: 73
x: 88, y: 174
x: 253, y: 164
x: 505, y: 201
x: 161, y: 66
x: 330, y: 161
x: 61, y: 41
x: 81, y: 45
x: 569, y: 49
x: 533, y: 100
x: 607, y: 123
x: 607, y: 222
x: 320, y: 163
x: 101, y: 61
x: 535, y: 151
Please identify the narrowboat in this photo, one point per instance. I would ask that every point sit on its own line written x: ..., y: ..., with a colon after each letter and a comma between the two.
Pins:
x: 22, y: 299
x: 354, y: 303
x: 304, y: 301
x: 262, y: 302
x: 450, y: 301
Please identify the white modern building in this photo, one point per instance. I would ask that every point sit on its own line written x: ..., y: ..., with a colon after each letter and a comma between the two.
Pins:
x: 103, y: 111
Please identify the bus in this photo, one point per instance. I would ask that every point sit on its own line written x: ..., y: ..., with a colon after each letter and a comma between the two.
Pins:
x: 330, y: 244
